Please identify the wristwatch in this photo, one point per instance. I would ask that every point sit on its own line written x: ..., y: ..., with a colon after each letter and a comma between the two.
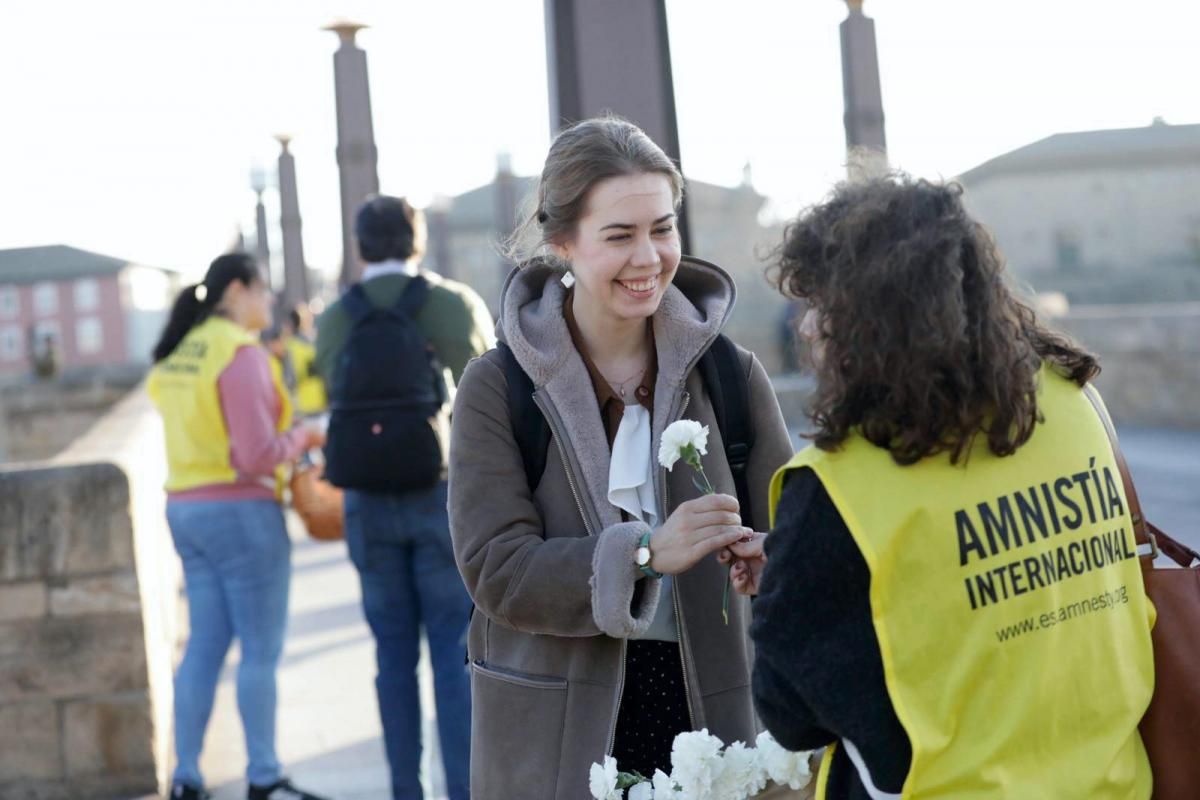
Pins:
x: 642, y: 557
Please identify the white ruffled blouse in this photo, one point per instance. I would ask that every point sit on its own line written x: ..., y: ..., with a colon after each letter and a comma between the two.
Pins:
x: 631, y: 489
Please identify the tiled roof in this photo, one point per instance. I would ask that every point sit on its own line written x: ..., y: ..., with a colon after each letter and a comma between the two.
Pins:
x: 56, y: 262
x: 1155, y: 144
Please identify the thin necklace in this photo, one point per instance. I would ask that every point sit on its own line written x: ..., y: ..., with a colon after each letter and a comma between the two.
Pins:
x: 620, y: 385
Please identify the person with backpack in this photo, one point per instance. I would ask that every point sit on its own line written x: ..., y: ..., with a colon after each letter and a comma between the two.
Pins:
x: 227, y: 422
x: 594, y: 571
x: 391, y: 350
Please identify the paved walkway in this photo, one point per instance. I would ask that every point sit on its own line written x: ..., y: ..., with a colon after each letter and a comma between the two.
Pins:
x: 329, y: 734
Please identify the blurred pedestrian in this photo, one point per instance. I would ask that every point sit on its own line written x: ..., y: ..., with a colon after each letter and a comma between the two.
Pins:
x: 391, y: 350
x: 299, y: 337
x: 229, y: 436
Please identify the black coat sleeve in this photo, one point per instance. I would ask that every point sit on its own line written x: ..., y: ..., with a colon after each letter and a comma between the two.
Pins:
x: 818, y: 673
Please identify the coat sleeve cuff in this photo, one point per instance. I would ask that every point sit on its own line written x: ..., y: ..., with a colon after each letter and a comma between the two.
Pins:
x: 614, y: 581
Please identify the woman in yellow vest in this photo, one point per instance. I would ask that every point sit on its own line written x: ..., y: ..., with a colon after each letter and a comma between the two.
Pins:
x: 227, y: 420
x: 298, y: 339
x: 952, y: 600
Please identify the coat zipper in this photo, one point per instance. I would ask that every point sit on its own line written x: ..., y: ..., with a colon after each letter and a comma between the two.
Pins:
x: 612, y: 732
x: 562, y: 453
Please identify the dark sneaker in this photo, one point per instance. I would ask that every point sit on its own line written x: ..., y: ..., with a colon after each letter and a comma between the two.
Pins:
x: 182, y: 791
x: 282, y: 789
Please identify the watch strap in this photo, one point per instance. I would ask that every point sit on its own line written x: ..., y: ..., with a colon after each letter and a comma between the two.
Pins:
x: 646, y: 569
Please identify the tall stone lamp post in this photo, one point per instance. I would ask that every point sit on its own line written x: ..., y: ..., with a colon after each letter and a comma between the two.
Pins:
x: 295, y: 273
x: 866, y: 147
x: 262, y: 245
x: 613, y: 56
x: 357, y: 155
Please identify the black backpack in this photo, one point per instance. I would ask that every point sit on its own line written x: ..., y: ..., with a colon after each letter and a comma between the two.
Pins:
x: 387, y: 393
x: 728, y: 389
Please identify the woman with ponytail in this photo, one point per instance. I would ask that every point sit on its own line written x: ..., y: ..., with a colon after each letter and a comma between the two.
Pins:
x: 227, y: 419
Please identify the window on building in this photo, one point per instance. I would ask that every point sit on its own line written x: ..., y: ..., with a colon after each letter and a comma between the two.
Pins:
x: 87, y: 294
x: 10, y: 302
x: 89, y: 335
x: 45, y: 299
x: 12, y: 343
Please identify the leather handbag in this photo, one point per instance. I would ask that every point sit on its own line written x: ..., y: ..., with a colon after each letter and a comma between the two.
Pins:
x: 318, y: 502
x: 1171, y: 726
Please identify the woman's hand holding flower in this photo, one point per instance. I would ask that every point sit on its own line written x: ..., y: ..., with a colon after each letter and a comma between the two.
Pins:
x: 694, y: 530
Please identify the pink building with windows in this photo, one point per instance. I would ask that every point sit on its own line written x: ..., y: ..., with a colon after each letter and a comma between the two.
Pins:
x: 99, y: 311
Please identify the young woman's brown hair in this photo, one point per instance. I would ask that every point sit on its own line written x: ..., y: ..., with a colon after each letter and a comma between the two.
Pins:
x: 922, y: 345
x: 580, y: 157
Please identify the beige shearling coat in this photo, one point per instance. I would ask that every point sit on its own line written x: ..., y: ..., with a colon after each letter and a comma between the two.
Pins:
x: 552, y: 572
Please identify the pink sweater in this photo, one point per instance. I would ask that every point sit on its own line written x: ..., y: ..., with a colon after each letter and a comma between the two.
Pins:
x: 251, y: 407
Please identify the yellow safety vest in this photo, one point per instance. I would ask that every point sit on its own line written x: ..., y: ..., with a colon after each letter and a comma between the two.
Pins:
x: 1008, y: 601
x: 184, y: 388
x: 310, y: 389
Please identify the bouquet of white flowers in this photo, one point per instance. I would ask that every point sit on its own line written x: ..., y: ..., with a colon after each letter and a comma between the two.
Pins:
x: 703, y: 768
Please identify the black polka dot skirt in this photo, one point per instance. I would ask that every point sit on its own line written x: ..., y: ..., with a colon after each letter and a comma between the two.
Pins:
x: 653, y: 707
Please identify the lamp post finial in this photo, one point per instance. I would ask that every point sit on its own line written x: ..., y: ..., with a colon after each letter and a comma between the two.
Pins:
x: 346, y: 30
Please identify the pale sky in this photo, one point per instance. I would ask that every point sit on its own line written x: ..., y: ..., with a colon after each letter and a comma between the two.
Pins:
x: 129, y: 127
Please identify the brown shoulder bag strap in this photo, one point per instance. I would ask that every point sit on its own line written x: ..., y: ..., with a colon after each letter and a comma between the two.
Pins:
x: 1144, y: 533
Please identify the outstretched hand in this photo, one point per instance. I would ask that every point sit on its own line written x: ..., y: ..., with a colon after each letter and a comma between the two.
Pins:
x: 747, y: 561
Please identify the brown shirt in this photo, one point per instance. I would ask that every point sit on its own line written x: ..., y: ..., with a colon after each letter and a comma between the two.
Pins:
x: 612, y: 407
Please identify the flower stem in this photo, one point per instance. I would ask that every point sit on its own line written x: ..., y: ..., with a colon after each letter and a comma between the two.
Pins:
x: 725, y: 597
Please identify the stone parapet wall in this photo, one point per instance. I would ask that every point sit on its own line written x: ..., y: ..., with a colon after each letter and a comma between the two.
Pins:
x: 1150, y: 355
x: 89, y: 611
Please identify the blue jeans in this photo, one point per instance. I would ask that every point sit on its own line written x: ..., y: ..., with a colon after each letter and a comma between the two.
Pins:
x: 400, y: 544
x: 237, y: 566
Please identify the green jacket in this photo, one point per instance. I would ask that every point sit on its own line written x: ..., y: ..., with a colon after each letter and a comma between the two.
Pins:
x: 454, y: 320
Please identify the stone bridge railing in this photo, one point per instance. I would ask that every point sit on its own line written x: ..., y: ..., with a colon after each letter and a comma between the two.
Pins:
x: 89, y: 615
x: 1150, y: 356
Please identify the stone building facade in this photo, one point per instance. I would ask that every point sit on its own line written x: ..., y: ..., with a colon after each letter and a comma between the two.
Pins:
x: 100, y: 311
x: 1108, y: 216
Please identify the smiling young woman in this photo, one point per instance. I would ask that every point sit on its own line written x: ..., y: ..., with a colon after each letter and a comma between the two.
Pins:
x: 588, y: 650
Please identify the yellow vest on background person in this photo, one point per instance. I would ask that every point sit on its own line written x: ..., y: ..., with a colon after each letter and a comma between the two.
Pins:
x: 184, y: 388
x: 310, y: 389
x: 1008, y: 601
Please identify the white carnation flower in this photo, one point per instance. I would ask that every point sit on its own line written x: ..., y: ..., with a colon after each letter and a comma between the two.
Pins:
x: 695, y: 763
x: 741, y: 774
x: 783, y: 766
x: 676, y: 439
x: 602, y: 780
x: 641, y: 791
x: 664, y: 787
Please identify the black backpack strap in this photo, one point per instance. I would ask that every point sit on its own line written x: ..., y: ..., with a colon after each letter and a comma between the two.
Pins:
x: 729, y: 392
x: 530, y: 428
x: 356, y: 303
x: 415, y: 293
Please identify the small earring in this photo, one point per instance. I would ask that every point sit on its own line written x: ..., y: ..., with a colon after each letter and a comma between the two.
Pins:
x: 568, y: 279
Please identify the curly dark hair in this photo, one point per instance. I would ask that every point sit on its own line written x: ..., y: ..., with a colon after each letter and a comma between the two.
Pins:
x: 923, y: 344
